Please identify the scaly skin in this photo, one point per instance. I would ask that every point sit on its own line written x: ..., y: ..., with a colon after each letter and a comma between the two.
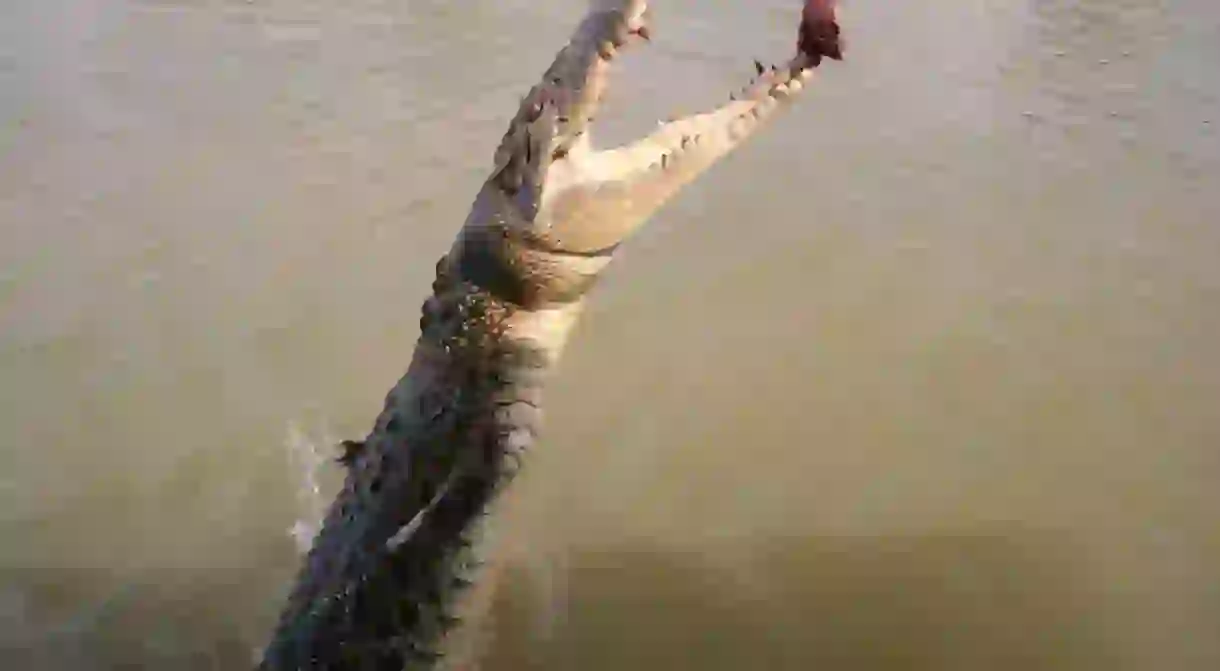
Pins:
x: 390, y: 575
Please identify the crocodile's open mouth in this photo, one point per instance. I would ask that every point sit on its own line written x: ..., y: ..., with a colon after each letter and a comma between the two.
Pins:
x: 586, y: 199
x: 817, y: 38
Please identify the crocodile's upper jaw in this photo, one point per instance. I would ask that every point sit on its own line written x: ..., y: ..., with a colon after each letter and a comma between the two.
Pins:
x: 549, y: 179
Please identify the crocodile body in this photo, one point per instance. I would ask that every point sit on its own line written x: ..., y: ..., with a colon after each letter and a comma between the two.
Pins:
x: 390, y: 581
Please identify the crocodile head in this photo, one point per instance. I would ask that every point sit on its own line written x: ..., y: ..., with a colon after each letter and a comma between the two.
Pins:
x: 568, y: 200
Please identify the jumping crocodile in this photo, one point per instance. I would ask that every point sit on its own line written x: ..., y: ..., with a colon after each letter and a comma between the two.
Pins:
x: 392, y: 573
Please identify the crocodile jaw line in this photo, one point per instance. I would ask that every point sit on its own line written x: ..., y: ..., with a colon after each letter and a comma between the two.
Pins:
x: 580, y: 199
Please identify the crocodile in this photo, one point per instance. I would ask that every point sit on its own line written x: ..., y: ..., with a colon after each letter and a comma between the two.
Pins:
x: 390, y: 580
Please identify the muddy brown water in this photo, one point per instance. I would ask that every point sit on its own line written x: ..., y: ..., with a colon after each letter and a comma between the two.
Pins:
x: 926, y: 377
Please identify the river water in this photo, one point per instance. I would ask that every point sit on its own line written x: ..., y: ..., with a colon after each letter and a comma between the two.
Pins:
x: 926, y: 377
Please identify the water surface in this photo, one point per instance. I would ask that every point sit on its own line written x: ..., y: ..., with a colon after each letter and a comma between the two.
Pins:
x: 925, y: 377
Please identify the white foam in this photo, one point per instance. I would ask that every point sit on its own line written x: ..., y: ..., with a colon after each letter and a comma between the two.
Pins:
x: 306, y: 458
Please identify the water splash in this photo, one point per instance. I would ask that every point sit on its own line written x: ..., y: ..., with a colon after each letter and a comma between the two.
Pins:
x: 307, y: 460
x: 544, y: 574
x: 550, y: 576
